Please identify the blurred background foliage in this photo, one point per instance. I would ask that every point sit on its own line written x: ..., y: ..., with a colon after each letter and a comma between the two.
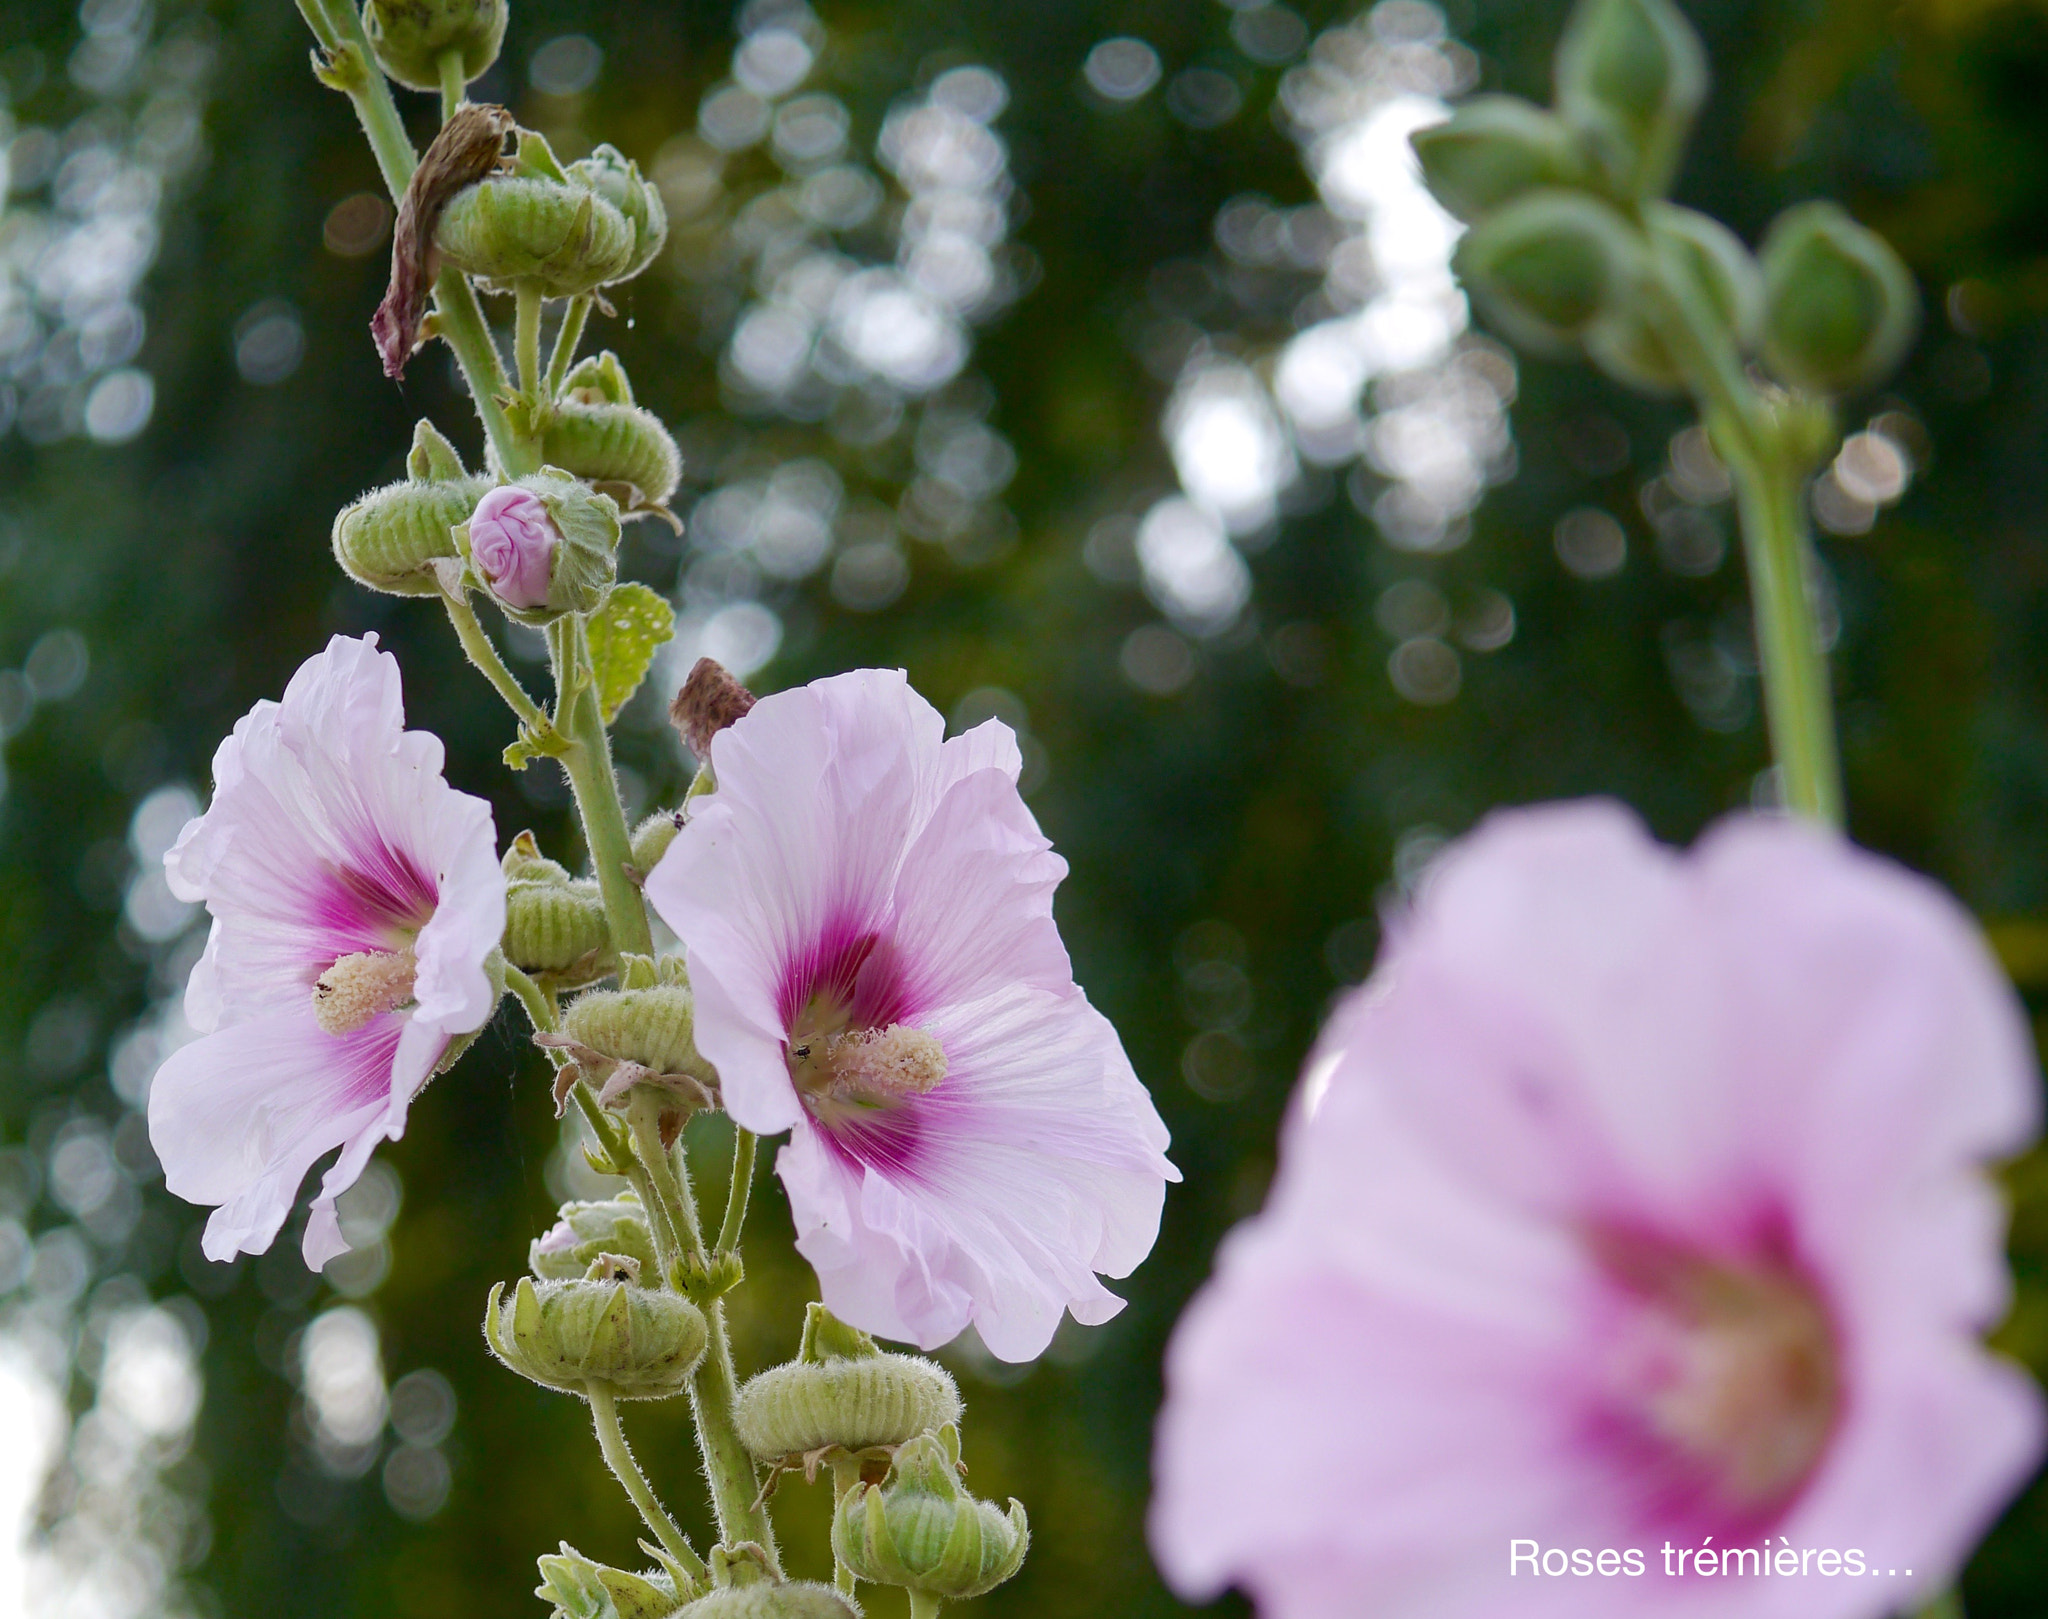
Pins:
x: 1098, y: 468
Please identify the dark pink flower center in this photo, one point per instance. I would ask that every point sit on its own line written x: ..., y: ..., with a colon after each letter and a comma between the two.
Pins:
x: 858, y: 1061
x: 1729, y: 1375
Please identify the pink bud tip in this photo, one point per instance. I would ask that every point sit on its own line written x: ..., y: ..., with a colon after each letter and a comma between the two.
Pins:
x: 512, y: 541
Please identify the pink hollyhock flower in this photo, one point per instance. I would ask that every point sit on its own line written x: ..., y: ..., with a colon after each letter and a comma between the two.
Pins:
x: 355, y: 896
x: 867, y: 913
x: 1634, y: 1205
x: 512, y: 541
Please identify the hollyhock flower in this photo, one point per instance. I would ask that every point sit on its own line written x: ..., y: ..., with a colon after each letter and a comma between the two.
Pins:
x: 355, y: 898
x: 513, y: 541
x: 1633, y: 1205
x: 866, y: 908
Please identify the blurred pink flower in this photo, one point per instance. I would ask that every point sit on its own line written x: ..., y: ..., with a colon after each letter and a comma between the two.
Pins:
x: 355, y: 896
x: 1635, y: 1202
x: 512, y: 541
x: 867, y: 912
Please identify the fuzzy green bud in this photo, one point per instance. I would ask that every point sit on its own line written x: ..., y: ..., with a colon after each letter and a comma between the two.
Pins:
x: 1630, y: 77
x: 409, y: 37
x: 640, y: 1343
x: 618, y: 181
x: 1492, y: 150
x: 650, y: 1027
x: 1706, y: 262
x: 842, y: 1393
x: 585, y: 1232
x: 614, y: 445
x: 1839, y: 305
x: 555, y: 927
x: 583, y: 1589
x: 652, y: 837
x: 557, y: 234
x: 391, y: 538
x: 544, y: 545
x: 524, y: 862
x: 771, y: 1599
x: 1548, y: 265
x: 920, y: 1529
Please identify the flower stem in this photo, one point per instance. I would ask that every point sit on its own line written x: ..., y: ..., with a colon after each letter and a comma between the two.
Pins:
x: 452, y: 82
x: 566, y: 341
x: 618, y: 1455
x: 1769, y: 480
x: 845, y: 1476
x: 526, y: 335
x: 531, y: 996
x: 736, y: 1194
x: 1798, y: 703
x: 923, y: 1605
x: 588, y: 762
x: 735, y: 1486
x: 485, y: 656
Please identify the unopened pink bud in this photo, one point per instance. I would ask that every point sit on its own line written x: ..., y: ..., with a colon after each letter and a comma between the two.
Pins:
x: 512, y: 541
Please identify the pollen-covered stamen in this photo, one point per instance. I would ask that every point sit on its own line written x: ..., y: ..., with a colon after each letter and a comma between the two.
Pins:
x: 867, y: 1067
x: 362, y: 986
x: 1740, y: 1373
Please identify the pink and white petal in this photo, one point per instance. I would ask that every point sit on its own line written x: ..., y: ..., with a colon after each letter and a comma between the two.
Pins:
x: 203, y: 1003
x: 1432, y: 1446
x: 323, y: 1240
x: 991, y: 745
x: 1030, y: 1169
x: 238, y: 1116
x: 973, y: 901
x: 453, y: 992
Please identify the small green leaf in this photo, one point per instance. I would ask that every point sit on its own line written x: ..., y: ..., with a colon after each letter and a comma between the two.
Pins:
x: 624, y: 634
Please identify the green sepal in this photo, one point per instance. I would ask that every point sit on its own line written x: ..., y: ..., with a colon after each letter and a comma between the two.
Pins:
x: 1491, y: 150
x: 1710, y: 265
x: 1549, y: 265
x: 1840, y: 307
x: 432, y: 458
x: 921, y: 1530
x: 581, y: 1588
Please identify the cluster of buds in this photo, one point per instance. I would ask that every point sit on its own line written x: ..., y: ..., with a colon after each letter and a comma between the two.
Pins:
x: 1573, y: 244
x: 400, y: 539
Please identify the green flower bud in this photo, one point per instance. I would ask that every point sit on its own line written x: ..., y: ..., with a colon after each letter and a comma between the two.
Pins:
x: 1548, y: 265
x: 637, y: 1034
x: 1631, y: 76
x: 432, y: 458
x: 391, y: 538
x: 618, y: 447
x: 524, y: 862
x: 841, y: 1393
x: 566, y: 526
x: 772, y: 1599
x: 920, y: 1529
x: 641, y: 1343
x: 1840, y: 307
x: 1492, y: 150
x: 558, y: 234
x: 652, y: 837
x: 1712, y: 261
x: 582, y: 1589
x: 556, y: 927
x: 616, y: 179
x: 584, y: 1232
x: 409, y: 37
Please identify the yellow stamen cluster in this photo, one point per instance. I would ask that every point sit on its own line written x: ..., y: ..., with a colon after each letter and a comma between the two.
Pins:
x: 362, y: 986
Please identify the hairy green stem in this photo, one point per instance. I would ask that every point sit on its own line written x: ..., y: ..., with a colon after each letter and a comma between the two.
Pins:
x: 588, y: 763
x: 1769, y: 485
x: 453, y: 82
x: 664, y: 1184
x: 531, y: 996
x: 923, y: 1605
x: 566, y: 342
x: 736, y: 1195
x: 845, y: 1476
x: 462, y: 323
x: 478, y: 646
x: 735, y: 1486
x: 618, y: 1455
x: 1797, y: 701
x: 527, y: 301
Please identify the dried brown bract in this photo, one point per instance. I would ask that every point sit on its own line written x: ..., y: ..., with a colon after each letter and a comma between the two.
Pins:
x: 470, y: 146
